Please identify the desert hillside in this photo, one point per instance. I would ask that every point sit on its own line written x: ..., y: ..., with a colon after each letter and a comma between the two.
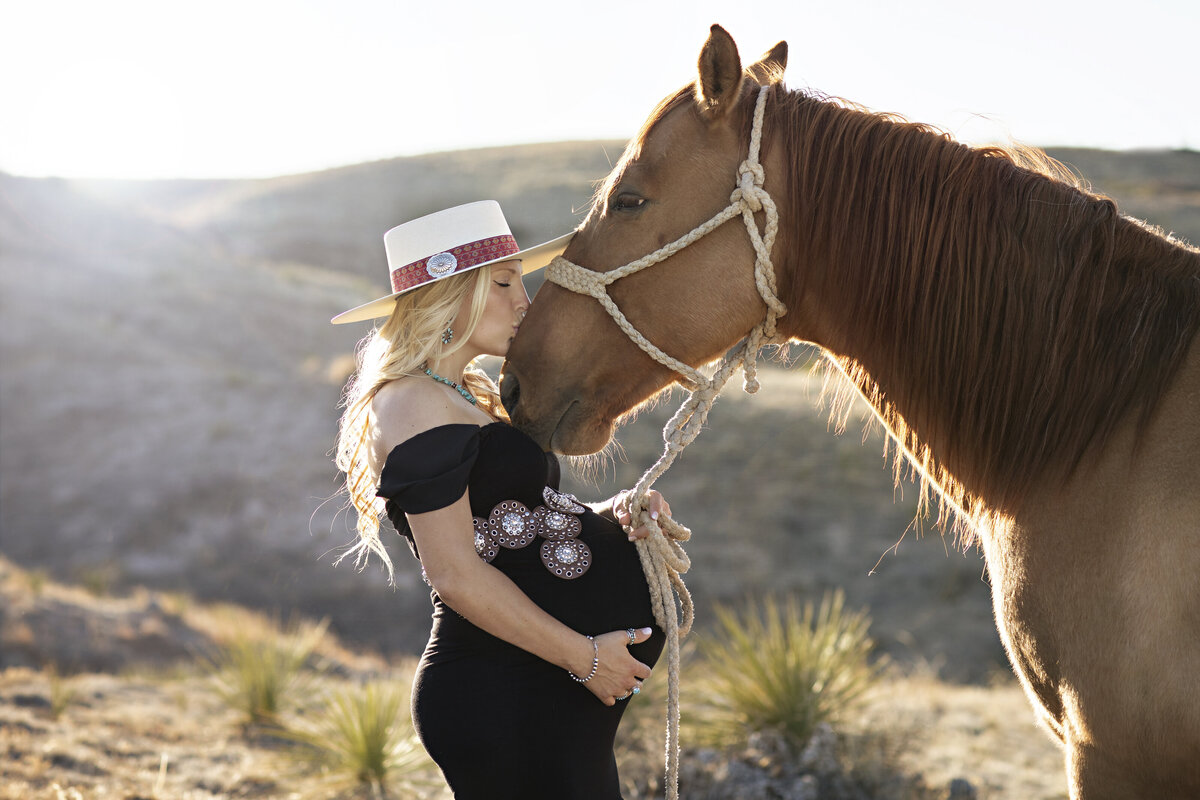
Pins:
x: 170, y: 389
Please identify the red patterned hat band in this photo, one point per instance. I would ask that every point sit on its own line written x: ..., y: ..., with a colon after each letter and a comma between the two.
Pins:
x: 448, y: 262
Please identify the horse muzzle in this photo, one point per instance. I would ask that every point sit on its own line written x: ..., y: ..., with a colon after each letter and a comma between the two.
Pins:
x: 539, y: 426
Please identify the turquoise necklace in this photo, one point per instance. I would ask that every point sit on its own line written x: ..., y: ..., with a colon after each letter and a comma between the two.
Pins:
x: 455, y: 386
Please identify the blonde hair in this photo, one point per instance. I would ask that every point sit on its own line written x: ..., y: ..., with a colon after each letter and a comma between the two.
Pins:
x: 409, y: 339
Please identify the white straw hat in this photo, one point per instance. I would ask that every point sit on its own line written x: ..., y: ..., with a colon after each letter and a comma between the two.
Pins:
x: 445, y: 243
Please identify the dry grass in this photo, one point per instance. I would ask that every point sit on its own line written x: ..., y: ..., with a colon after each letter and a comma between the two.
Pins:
x: 986, y: 734
x: 172, y: 738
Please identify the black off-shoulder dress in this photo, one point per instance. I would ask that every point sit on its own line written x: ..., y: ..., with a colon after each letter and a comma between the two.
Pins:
x: 499, y: 721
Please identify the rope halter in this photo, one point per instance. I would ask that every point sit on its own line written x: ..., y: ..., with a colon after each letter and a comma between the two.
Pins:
x: 662, y: 556
x: 747, y: 199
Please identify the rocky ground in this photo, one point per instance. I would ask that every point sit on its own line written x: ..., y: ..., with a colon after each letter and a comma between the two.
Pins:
x: 156, y: 737
x: 124, y: 706
x: 142, y: 738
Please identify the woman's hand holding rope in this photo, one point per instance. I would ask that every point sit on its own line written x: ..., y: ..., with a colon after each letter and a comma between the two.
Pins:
x: 656, y: 505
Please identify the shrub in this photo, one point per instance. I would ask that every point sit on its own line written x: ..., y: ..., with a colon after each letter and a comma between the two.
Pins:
x: 259, y: 673
x: 364, y: 735
x: 37, y: 581
x: 782, y: 669
x: 61, y: 694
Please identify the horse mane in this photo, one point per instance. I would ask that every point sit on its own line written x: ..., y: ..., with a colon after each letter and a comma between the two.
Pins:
x: 1013, y: 314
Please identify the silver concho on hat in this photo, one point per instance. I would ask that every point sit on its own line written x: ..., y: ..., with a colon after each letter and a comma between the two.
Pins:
x: 441, y: 265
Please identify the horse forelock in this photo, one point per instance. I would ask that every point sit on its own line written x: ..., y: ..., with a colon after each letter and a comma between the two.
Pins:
x: 990, y: 304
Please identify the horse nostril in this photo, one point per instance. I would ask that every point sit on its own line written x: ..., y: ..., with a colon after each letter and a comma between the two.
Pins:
x: 510, y: 392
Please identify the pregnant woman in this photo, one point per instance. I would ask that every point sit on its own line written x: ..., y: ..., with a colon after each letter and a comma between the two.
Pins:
x: 542, y: 623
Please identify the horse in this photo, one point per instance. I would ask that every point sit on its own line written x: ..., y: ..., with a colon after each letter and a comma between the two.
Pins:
x: 1031, y: 352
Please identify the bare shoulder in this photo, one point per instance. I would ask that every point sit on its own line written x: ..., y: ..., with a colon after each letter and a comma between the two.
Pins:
x: 408, y: 406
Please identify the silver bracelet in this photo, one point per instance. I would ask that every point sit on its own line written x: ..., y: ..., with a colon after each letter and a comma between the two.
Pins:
x: 595, y: 663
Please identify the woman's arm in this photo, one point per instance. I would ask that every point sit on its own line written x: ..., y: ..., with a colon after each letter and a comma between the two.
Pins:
x: 491, y: 601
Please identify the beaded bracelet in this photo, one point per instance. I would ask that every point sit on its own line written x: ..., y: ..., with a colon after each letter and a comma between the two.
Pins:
x: 595, y: 663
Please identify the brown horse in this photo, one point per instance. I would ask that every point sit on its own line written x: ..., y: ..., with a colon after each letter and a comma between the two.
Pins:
x: 1030, y: 350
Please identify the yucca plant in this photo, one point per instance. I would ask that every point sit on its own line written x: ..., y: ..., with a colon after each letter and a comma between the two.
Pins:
x: 782, y: 669
x: 363, y: 735
x: 259, y: 673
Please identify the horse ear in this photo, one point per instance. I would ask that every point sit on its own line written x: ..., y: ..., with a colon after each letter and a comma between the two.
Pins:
x: 769, y: 69
x: 720, y: 79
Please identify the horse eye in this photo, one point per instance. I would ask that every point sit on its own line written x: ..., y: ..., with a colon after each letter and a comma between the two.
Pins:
x: 627, y: 202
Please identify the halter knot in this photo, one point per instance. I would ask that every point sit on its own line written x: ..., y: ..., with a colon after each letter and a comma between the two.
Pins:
x: 752, y: 171
x: 749, y: 191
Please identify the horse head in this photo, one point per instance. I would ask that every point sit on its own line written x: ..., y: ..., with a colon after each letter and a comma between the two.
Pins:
x: 571, y: 371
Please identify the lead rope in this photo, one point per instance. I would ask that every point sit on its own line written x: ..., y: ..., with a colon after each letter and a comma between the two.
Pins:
x: 663, y: 558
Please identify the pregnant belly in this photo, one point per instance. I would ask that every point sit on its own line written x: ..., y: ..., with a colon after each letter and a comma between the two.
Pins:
x: 611, y: 595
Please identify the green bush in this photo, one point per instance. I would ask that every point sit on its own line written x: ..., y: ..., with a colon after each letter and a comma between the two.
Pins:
x: 782, y: 669
x: 258, y: 673
x: 364, y: 735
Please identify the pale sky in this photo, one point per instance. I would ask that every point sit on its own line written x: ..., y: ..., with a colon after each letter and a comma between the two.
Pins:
x: 255, y: 88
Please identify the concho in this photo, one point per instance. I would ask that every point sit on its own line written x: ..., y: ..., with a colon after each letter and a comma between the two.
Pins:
x: 441, y: 265
x: 511, y: 525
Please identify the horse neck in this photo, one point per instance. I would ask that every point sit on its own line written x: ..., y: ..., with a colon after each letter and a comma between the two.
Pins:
x: 1001, y: 322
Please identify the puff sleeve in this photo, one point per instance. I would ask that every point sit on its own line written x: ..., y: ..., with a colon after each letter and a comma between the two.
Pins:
x: 430, y: 470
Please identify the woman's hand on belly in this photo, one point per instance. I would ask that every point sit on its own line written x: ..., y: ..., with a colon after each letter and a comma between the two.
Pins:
x: 618, y: 672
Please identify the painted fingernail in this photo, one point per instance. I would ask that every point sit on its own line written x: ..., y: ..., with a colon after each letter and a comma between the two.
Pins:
x: 653, y: 515
x: 647, y: 631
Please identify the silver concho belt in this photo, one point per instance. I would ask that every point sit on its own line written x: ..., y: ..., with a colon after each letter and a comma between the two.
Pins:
x: 511, y: 525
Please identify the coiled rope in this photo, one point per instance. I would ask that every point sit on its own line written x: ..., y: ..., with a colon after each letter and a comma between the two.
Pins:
x: 663, y: 558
